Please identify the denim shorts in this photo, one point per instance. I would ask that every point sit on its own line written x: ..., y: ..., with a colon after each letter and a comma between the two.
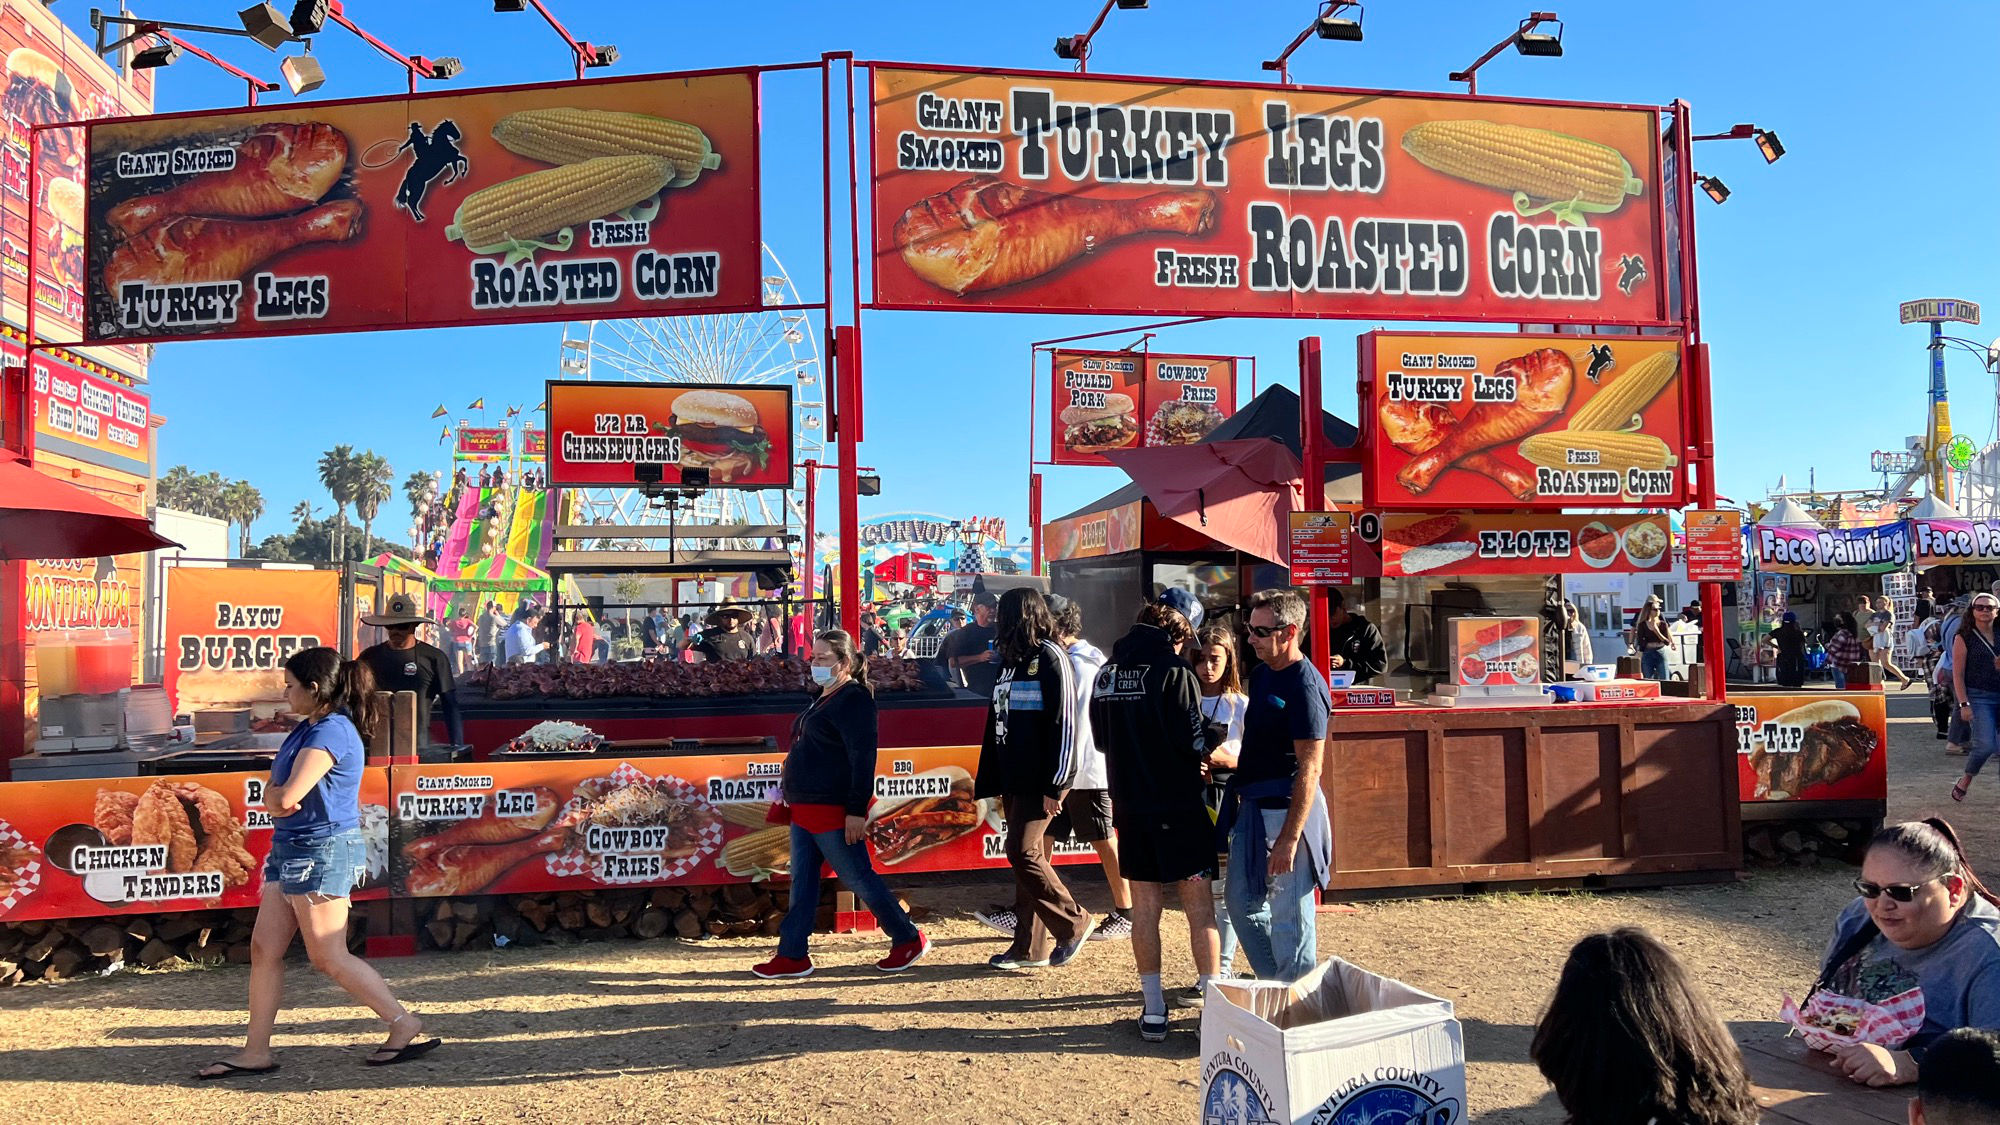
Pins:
x: 329, y: 866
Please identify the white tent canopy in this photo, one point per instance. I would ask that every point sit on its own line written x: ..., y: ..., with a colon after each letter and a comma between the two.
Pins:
x: 1932, y: 508
x: 1787, y: 513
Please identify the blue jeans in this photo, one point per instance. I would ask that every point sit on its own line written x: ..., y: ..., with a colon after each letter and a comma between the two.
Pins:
x: 1279, y: 932
x: 1985, y: 728
x: 850, y: 864
x: 1225, y: 965
x: 329, y: 866
x: 1653, y: 664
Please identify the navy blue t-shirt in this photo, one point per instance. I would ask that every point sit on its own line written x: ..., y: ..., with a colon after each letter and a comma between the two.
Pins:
x: 1285, y: 706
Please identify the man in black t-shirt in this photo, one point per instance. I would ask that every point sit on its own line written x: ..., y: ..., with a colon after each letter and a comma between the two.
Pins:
x: 404, y: 663
x: 967, y: 654
x: 725, y: 639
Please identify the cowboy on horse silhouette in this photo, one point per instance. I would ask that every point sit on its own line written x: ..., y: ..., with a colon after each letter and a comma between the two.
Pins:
x: 436, y: 154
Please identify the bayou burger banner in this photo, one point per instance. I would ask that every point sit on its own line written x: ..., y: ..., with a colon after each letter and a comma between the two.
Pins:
x: 1812, y: 747
x: 1518, y: 421
x: 1124, y: 400
x: 230, y: 630
x: 1047, y: 192
x: 1524, y: 543
x: 600, y: 433
x: 634, y: 197
x: 1853, y: 550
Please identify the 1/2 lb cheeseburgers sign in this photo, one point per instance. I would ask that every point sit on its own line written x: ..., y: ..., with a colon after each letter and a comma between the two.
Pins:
x: 1022, y: 191
x: 601, y: 434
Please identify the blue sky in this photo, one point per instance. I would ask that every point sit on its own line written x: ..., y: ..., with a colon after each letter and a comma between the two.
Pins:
x: 1883, y: 196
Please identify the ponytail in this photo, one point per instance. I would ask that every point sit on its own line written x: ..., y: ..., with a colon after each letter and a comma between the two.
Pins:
x: 337, y: 685
x: 1933, y: 844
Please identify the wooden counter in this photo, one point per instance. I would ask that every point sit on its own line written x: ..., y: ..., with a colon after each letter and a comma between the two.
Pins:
x: 1585, y: 794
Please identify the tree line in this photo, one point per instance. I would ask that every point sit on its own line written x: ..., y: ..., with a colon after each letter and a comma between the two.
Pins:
x: 361, y: 480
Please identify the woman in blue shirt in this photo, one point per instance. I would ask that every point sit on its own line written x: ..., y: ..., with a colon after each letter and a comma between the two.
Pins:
x: 314, y: 799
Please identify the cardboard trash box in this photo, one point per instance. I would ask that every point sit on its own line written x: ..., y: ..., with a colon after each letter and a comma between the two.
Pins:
x: 1342, y: 1046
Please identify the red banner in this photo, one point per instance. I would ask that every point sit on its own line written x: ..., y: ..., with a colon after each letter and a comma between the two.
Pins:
x: 999, y: 191
x: 612, y: 198
x: 483, y: 443
x: 1125, y: 400
x: 130, y: 845
x: 1525, y: 543
x: 603, y: 433
x: 534, y: 445
x: 91, y: 418
x: 1812, y: 747
x: 1094, y: 534
x: 1456, y: 420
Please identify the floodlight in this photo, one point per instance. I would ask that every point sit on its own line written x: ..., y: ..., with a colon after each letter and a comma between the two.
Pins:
x: 1067, y: 47
x: 1716, y: 189
x: 266, y: 25
x: 159, y: 54
x: 303, y: 73
x: 510, y: 5
x: 309, y: 16
x: 448, y: 66
x: 599, y: 54
x: 1767, y: 143
x: 1331, y: 26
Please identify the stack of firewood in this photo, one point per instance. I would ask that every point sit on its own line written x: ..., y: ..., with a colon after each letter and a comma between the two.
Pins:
x: 76, y: 947
x: 1803, y: 843
x: 738, y: 910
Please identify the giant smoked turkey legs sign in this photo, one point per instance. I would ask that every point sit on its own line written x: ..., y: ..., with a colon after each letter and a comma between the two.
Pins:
x: 1031, y: 192
x: 584, y: 200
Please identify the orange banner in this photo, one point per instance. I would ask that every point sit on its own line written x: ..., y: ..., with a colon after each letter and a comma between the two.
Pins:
x: 1456, y: 420
x: 1043, y: 192
x: 1126, y: 400
x: 611, y: 198
x: 229, y: 631
x: 1523, y: 543
x: 601, y: 433
x: 1813, y: 747
x: 1109, y: 532
x: 130, y: 845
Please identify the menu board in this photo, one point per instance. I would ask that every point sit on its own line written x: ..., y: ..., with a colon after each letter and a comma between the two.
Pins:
x: 1814, y: 747
x: 1321, y: 548
x: 1457, y: 420
x: 128, y: 845
x: 604, y: 434
x: 1129, y: 400
x: 1524, y: 543
x: 1714, y: 545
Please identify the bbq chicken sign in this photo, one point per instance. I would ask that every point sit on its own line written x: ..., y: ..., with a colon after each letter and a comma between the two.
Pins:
x: 1518, y: 421
x: 1017, y: 191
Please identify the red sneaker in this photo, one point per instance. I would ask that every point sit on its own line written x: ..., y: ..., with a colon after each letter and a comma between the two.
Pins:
x: 778, y: 968
x: 903, y: 956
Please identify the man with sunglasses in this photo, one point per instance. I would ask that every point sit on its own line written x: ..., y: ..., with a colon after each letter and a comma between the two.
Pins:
x: 1280, y: 841
x: 404, y: 663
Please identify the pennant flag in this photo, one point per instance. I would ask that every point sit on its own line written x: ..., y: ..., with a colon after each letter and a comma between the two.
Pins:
x: 440, y: 411
x: 513, y: 410
x: 543, y: 408
x: 444, y: 435
x: 478, y: 403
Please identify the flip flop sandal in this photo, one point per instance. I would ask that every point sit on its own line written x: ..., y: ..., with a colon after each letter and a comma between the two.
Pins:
x: 1958, y: 791
x: 414, y: 1049
x: 231, y: 1070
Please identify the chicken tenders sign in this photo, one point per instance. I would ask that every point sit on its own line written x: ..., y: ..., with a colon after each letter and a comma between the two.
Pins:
x: 618, y: 197
x: 1041, y: 192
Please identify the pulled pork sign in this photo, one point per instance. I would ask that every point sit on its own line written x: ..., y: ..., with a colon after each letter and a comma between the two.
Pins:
x: 620, y: 197
x: 1042, y: 192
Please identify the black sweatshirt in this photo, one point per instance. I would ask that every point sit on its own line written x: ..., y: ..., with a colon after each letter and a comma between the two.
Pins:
x: 1145, y: 714
x: 1030, y: 744
x: 832, y: 759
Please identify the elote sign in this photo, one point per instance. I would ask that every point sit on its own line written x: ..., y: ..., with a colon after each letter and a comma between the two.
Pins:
x: 1517, y: 421
x: 611, y: 198
x: 1037, y: 192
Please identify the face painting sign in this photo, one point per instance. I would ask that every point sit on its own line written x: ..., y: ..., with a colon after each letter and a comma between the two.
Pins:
x: 1519, y: 421
x: 1937, y: 541
x: 619, y: 197
x: 1854, y: 550
x: 1129, y: 400
x: 604, y: 433
x: 1059, y: 193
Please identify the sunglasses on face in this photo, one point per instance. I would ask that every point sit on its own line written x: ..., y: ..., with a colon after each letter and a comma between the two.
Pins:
x: 1267, y: 630
x: 1899, y: 892
x: 1987, y: 606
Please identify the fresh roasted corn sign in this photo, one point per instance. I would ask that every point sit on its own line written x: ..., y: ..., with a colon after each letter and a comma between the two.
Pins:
x: 1519, y: 421
x: 616, y: 434
x: 1414, y: 544
x: 1039, y: 192
x: 1126, y: 400
x: 612, y: 198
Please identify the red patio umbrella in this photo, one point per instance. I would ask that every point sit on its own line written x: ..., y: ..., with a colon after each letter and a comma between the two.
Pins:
x: 43, y: 518
x: 1239, y: 493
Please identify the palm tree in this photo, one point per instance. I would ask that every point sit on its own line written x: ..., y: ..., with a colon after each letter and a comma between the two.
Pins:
x: 302, y: 512
x: 336, y: 472
x: 243, y: 505
x: 372, y: 477
x: 208, y: 490
x: 419, y: 489
x: 176, y: 489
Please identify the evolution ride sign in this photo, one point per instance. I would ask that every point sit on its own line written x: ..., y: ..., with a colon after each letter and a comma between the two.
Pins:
x: 1517, y: 421
x: 619, y: 197
x: 610, y: 434
x: 1854, y: 550
x: 1044, y: 192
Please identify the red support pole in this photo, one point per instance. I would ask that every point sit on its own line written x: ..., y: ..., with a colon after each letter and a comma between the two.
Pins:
x: 812, y: 519
x: 1714, y: 641
x: 1312, y: 454
x: 847, y: 374
x: 1035, y: 518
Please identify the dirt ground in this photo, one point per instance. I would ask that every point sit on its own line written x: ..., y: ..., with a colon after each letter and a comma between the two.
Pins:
x: 673, y: 1032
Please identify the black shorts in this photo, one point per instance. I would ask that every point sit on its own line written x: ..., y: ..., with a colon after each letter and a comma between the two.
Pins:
x: 1169, y: 846
x: 1085, y: 816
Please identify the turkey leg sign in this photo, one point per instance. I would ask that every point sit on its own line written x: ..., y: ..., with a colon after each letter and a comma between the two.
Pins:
x: 1542, y: 381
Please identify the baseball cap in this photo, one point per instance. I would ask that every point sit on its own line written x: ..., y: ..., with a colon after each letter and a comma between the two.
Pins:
x: 985, y: 599
x: 1183, y: 603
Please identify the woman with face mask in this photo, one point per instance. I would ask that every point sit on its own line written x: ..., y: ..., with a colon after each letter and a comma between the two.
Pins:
x: 828, y: 781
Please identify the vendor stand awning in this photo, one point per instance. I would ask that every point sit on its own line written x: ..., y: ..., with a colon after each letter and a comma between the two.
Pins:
x: 499, y: 574
x: 397, y: 564
x: 1238, y: 493
x: 666, y: 562
x: 43, y: 518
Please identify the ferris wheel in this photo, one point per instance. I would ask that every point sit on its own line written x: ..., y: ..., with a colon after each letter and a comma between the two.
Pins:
x: 776, y: 347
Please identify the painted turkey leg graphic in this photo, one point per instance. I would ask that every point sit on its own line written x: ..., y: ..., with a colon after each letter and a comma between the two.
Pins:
x: 487, y: 828
x: 279, y: 169
x: 464, y: 869
x: 987, y: 233
x: 1543, y: 379
x: 190, y: 250
x: 1418, y: 427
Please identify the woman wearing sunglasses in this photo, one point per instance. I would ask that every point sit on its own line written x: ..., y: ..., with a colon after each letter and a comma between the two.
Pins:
x: 1923, y: 921
x: 1975, y: 675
